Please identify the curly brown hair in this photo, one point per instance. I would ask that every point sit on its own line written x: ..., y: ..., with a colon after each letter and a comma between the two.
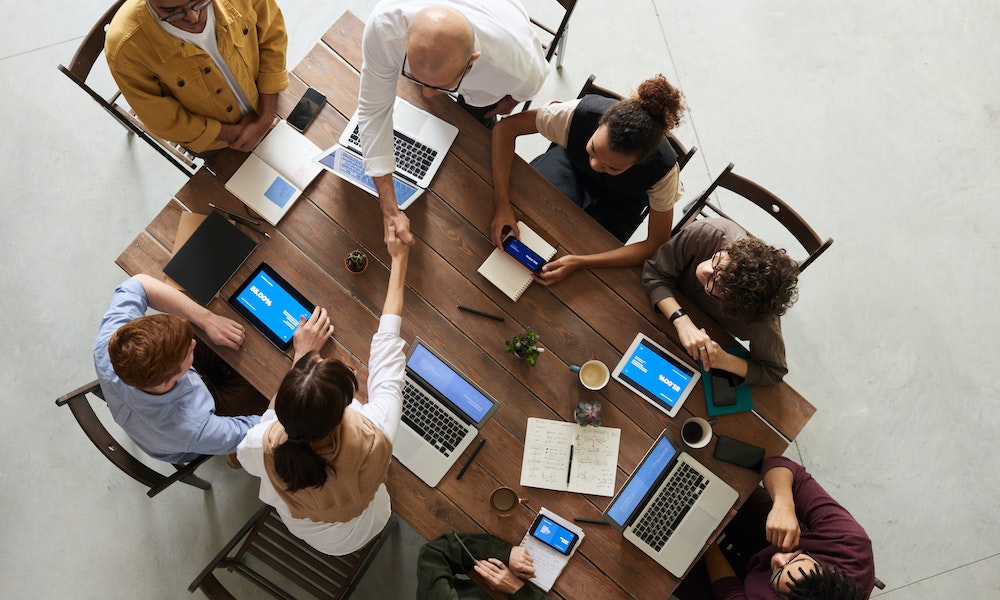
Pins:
x: 759, y: 282
x: 149, y: 350
x: 636, y: 125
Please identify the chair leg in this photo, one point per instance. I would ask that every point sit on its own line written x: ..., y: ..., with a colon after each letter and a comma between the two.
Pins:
x: 206, y: 573
x: 184, y: 473
x: 561, y: 48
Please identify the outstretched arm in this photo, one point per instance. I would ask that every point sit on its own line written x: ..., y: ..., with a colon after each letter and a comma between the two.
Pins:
x: 505, y: 134
x: 400, y: 252
x: 164, y: 298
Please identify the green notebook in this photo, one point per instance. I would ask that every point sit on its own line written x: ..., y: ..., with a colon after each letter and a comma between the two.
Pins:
x: 743, y: 400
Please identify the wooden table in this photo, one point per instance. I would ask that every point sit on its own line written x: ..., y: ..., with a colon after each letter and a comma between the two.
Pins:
x: 592, y: 314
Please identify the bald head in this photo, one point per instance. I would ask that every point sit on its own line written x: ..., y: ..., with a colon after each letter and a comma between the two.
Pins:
x: 439, y: 43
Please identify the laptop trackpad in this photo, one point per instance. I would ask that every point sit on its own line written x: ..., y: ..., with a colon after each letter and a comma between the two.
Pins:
x: 697, y: 527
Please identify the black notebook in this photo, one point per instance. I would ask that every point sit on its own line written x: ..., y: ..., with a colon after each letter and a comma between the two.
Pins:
x: 209, y: 258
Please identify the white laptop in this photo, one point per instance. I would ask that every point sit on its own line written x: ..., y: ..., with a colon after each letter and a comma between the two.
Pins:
x: 672, y: 530
x: 442, y: 413
x: 420, y: 145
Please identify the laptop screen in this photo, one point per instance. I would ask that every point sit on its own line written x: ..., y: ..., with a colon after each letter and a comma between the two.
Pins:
x: 659, y: 376
x: 647, y: 476
x: 439, y: 375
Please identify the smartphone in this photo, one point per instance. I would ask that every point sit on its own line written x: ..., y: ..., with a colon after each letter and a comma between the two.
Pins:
x: 553, y: 534
x: 524, y: 255
x: 723, y: 388
x: 739, y: 453
x: 306, y: 110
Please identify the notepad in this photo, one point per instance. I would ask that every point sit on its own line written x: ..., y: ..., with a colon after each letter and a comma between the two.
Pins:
x: 568, y: 457
x: 548, y: 562
x: 510, y: 276
x: 274, y: 175
x: 209, y: 257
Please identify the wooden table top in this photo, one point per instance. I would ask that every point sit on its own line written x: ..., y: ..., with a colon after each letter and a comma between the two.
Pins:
x: 592, y: 314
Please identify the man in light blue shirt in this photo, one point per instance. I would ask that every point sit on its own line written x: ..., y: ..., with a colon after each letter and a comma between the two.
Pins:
x: 172, y: 411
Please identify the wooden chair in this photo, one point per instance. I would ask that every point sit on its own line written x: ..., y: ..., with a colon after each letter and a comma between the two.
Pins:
x: 80, y: 69
x: 766, y: 201
x: 280, y: 563
x: 80, y: 405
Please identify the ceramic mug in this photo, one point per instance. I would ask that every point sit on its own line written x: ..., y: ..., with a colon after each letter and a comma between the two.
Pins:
x: 504, y: 500
x: 696, y: 432
x: 594, y: 374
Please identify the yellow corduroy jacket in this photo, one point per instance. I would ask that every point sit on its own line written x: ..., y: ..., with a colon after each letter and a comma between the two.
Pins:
x: 175, y: 88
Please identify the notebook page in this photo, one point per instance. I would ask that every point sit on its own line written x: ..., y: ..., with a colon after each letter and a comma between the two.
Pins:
x: 510, y: 276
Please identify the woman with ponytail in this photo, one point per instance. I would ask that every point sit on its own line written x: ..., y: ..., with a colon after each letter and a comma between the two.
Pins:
x: 322, y: 456
x: 611, y: 158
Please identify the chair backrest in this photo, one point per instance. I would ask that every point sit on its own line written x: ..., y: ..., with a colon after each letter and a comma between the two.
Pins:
x: 80, y: 70
x: 79, y: 403
x: 285, y: 566
x: 683, y: 154
x: 803, y: 233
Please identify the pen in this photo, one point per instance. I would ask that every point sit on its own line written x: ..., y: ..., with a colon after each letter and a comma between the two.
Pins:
x: 249, y: 226
x: 238, y: 217
x: 480, y: 313
x: 594, y: 521
x: 569, y: 469
x: 210, y: 171
x: 471, y: 457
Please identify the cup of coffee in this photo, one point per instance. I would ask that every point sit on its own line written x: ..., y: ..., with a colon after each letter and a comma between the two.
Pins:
x: 503, y: 501
x: 696, y: 432
x: 594, y: 374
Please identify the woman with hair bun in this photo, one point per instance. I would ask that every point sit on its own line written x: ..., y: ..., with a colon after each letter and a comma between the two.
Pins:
x: 322, y: 456
x: 611, y: 158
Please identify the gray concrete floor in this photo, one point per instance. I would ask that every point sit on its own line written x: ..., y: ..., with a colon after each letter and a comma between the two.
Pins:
x: 877, y: 121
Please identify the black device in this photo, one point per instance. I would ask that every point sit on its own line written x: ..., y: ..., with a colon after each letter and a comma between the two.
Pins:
x: 306, y: 110
x: 271, y: 305
x: 723, y: 388
x: 524, y: 255
x: 553, y: 534
x: 739, y: 453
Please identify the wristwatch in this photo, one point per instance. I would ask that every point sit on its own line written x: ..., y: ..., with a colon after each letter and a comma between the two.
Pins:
x: 677, y: 314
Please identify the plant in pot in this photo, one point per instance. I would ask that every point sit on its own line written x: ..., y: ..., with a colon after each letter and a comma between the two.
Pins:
x: 356, y: 261
x: 588, y: 413
x: 525, y: 346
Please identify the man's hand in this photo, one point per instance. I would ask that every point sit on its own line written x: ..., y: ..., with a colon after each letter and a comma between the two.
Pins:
x: 397, y: 249
x: 696, y: 341
x: 558, y: 269
x: 253, y: 128
x: 503, y: 217
x: 312, y: 334
x: 782, y: 526
x: 497, y: 576
x: 401, y: 225
x: 521, y: 562
x: 503, y: 107
x: 224, y: 332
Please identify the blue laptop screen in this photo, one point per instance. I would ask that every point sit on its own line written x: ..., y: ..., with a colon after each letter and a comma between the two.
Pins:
x: 349, y: 165
x: 642, y: 481
x: 273, y: 306
x: 657, y: 373
x: 437, y: 374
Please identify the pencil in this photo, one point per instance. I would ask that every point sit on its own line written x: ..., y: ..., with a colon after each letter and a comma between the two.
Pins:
x: 594, y: 521
x: 480, y: 313
x: 471, y: 457
x: 238, y: 217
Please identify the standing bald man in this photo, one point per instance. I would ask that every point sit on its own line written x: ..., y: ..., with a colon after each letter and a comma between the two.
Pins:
x: 486, y: 52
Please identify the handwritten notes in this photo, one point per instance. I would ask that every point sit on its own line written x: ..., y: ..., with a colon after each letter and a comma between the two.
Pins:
x: 568, y: 457
x: 549, y: 563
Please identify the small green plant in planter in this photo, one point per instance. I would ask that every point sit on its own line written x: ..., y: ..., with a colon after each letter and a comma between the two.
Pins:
x: 588, y: 413
x: 356, y: 261
x: 525, y: 346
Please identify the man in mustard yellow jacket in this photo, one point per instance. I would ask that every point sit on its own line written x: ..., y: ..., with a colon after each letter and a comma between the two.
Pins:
x: 202, y: 73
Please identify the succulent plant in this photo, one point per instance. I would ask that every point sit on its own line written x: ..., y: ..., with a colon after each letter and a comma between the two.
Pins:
x: 356, y: 261
x: 525, y: 346
x: 588, y: 413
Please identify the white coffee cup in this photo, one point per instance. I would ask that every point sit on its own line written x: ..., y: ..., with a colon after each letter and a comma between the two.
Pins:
x: 594, y: 374
x: 696, y: 432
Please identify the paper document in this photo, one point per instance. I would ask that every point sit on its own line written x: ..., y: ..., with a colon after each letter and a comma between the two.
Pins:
x: 548, y: 561
x: 565, y: 456
x: 510, y: 276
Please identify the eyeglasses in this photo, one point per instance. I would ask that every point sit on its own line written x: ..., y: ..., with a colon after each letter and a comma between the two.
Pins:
x: 406, y: 73
x: 713, y: 282
x: 180, y: 12
x: 777, y: 572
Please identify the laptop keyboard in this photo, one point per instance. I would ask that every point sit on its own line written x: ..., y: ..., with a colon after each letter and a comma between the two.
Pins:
x: 412, y: 157
x: 675, y: 500
x: 436, y: 425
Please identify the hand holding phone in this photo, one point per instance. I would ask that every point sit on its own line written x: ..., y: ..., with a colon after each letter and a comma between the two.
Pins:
x: 553, y: 534
x: 524, y: 255
x: 306, y: 110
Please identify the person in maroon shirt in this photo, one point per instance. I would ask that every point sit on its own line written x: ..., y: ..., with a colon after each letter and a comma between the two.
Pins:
x: 813, y: 547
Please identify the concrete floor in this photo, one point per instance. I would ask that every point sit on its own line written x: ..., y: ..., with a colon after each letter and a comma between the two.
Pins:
x: 878, y: 121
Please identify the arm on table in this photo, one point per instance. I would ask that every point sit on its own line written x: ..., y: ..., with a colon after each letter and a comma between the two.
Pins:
x: 164, y: 298
x: 502, y: 144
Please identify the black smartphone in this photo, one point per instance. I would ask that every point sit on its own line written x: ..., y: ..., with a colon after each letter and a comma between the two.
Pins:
x: 524, y: 255
x: 739, y: 453
x: 306, y: 110
x: 553, y: 534
x: 723, y: 388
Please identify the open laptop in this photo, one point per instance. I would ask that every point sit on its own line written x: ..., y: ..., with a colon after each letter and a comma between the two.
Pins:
x: 442, y: 413
x: 421, y: 142
x: 671, y: 529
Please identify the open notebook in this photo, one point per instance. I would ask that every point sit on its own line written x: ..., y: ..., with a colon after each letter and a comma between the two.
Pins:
x: 510, y: 276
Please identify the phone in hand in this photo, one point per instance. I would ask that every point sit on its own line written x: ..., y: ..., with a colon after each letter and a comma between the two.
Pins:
x: 306, y: 110
x: 553, y: 534
x: 723, y: 388
x: 524, y: 255
x: 739, y: 453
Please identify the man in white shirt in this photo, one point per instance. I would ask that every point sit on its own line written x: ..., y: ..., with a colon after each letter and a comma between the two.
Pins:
x: 486, y: 52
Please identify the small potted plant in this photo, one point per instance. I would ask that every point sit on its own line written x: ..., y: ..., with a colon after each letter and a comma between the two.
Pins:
x: 588, y: 413
x: 356, y: 261
x: 525, y: 346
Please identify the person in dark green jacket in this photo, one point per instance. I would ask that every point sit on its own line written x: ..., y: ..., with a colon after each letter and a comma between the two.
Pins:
x: 445, y: 571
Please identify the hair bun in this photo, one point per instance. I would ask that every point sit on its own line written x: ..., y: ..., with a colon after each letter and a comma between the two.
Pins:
x: 663, y: 102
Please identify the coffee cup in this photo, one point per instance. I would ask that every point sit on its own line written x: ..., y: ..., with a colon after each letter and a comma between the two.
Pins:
x: 696, y: 432
x: 594, y: 374
x: 503, y: 501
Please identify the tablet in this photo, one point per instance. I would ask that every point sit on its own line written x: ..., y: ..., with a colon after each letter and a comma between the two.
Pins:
x: 271, y: 305
x: 661, y: 378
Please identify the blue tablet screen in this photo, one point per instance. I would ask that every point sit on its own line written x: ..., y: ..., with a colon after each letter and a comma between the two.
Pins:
x: 274, y: 307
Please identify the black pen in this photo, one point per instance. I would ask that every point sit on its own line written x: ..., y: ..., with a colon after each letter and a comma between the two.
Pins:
x: 480, y: 313
x: 594, y: 521
x: 471, y: 457
x: 238, y: 217
x: 569, y: 469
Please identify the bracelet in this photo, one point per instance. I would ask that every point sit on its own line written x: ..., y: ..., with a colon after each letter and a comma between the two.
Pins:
x: 677, y: 314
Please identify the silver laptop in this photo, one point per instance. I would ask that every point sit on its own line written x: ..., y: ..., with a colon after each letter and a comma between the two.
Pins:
x: 442, y: 413
x: 670, y: 505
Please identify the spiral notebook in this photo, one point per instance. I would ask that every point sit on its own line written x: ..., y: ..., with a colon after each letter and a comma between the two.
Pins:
x: 510, y: 276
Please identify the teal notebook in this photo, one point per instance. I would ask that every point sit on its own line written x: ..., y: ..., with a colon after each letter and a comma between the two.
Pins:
x: 743, y: 400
